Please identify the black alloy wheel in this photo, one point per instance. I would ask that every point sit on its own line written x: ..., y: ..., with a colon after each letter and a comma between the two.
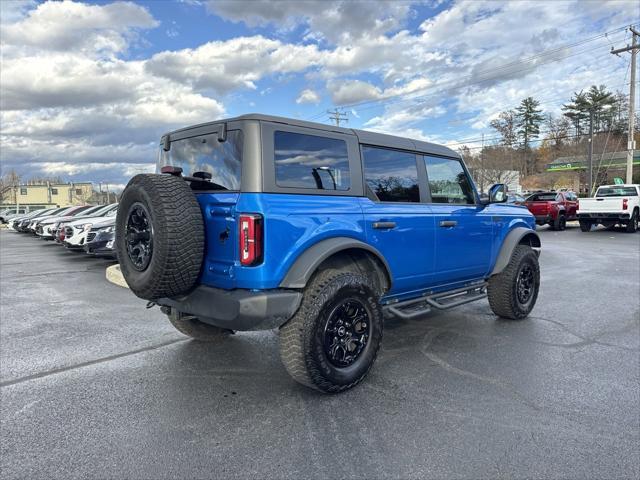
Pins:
x: 346, y: 333
x: 139, y: 236
x: 525, y: 284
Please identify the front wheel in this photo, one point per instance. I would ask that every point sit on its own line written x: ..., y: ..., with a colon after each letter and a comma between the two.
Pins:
x: 513, y: 292
x: 332, y: 341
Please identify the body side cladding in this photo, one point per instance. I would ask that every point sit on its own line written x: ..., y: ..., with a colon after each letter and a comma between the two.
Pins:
x: 517, y: 236
x: 307, y: 263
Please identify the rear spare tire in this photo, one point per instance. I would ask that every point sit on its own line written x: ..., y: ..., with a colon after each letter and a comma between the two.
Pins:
x: 159, y: 236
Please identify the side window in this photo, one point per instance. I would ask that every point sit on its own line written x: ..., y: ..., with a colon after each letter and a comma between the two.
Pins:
x: 448, y: 181
x: 310, y: 161
x: 391, y: 174
x: 23, y: 191
x: 54, y: 191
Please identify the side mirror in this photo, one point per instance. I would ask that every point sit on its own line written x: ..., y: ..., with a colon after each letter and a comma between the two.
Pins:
x: 498, y: 193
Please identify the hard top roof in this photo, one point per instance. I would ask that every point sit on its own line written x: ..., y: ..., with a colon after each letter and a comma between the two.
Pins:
x: 364, y: 136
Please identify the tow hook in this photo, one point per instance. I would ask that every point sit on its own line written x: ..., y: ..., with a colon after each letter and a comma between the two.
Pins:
x: 151, y: 304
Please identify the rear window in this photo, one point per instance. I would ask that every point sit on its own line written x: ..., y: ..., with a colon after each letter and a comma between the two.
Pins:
x: 617, y: 192
x: 542, y: 197
x: 310, y: 161
x: 223, y: 160
x: 391, y: 174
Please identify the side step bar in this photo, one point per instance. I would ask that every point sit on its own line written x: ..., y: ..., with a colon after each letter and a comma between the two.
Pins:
x: 416, y: 307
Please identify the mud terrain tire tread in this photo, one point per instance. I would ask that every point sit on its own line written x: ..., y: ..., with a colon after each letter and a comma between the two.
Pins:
x: 178, y: 236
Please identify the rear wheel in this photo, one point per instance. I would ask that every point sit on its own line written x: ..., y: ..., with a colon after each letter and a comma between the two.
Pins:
x: 513, y: 292
x: 585, y: 225
x: 332, y: 341
x: 632, y: 226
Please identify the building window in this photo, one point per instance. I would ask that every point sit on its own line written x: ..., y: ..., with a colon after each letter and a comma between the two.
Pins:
x: 310, y: 161
x: 23, y: 191
x: 78, y: 191
x: 54, y: 191
x: 391, y: 174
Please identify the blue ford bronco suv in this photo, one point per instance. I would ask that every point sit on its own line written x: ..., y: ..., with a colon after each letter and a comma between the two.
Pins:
x: 261, y: 222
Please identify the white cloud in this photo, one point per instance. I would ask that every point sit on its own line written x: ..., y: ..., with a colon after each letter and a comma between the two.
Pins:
x: 336, y: 21
x: 68, y: 25
x: 356, y: 91
x: 308, y: 96
x: 227, y: 65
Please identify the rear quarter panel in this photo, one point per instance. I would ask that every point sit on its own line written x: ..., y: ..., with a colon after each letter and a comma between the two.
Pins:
x: 292, y: 224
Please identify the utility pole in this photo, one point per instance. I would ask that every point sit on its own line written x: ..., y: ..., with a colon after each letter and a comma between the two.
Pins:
x: 633, y: 48
x: 482, y: 174
x: 337, y: 116
x: 590, y: 173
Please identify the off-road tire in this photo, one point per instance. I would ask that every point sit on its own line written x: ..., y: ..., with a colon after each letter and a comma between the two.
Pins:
x: 178, y: 236
x: 301, y: 338
x: 194, y: 328
x: 502, y: 288
x: 632, y: 225
x: 585, y: 225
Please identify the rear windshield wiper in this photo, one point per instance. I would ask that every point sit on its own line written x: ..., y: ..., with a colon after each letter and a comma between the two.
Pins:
x: 203, y: 181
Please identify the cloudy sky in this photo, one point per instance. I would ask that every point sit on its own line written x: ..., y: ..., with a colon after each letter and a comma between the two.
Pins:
x: 87, y: 88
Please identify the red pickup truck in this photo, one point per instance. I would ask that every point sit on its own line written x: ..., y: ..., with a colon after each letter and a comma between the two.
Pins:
x: 553, y: 208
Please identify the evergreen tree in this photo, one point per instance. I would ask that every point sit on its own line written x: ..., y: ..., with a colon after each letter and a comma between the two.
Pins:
x: 528, y: 120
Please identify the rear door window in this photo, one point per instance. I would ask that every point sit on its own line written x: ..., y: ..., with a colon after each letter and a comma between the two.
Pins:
x: 391, y: 174
x: 448, y: 181
x: 311, y: 161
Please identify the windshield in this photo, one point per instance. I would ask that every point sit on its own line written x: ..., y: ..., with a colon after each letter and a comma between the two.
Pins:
x: 206, y: 154
x: 91, y: 211
x: 616, y: 192
x: 542, y: 197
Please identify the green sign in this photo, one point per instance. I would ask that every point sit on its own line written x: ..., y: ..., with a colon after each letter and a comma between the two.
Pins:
x: 618, y: 181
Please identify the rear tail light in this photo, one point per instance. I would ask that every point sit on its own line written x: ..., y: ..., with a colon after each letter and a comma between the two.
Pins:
x: 251, y: 239
x: 625, y: 203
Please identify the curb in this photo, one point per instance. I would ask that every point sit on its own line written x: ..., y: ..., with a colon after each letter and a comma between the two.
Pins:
x: 114, y: 275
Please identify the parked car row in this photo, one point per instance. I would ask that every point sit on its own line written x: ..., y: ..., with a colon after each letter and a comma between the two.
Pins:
x: 84, y: 228
x: 612, y: 206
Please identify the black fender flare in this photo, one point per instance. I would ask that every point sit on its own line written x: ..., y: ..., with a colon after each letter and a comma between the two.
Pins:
x: 515, y: 237
x: 307, y: 263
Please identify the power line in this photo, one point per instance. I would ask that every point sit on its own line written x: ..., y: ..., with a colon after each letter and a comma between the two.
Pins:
x: 493, y: 71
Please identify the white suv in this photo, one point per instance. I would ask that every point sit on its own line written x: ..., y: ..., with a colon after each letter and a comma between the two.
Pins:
x: 75, y: 232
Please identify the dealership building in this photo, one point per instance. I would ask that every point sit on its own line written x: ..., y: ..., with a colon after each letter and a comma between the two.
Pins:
x: 606, y: 168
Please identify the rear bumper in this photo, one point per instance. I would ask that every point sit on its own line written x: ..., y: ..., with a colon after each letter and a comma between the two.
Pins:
x: 603, y: 216
x: 238, y: 309
x: 543, y: 219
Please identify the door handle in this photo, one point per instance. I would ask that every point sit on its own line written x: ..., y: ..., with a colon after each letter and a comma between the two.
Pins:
x: 384, y: 225
x: 448, y: 223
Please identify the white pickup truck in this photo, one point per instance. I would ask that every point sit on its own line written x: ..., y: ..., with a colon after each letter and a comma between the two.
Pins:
x: 613, y: 205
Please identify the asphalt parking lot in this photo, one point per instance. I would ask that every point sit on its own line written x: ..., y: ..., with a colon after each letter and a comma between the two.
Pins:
x: 93, y: 385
